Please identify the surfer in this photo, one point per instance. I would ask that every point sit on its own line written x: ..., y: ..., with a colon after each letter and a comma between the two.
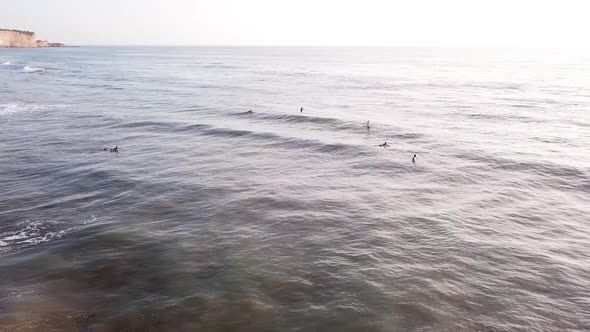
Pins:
x: 250, y: 112
x: 414, y: 159
x: 368, y: 125
x: 384, y: 145
x: 301, y: 110
x: 115, y: 149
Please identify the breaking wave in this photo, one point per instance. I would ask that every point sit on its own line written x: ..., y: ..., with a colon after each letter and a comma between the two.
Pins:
x: 30, y: 233
x: 31, y: 69
x: 12, y: 108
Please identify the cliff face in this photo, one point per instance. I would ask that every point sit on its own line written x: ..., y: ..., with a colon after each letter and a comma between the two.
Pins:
x: 17, y: 38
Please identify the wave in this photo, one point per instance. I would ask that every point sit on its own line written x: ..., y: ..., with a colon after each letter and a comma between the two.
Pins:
x: 147, y: 124
x: 552, y: 174
x: 194, y: 109
x: 220, y: 66
x: 289, y: 118
x: 310, y: 119
x: 271, y: 139
x: 502, y: 117
x: 17, y: 108
x: 493, y: 85
x: 30, y: 233
x: 268, y: 138
x: 194, y: 127
x: 362, y: 85
x: 331, y: 123
x: 295, y: 119
x: 283, y: 73
x: 7, y: 63
x: 387, y: 167
x: 277, y: 141
x: 408, y: 136
x: 12, y: 108
x: 31, y: 69
x: 235, y: 133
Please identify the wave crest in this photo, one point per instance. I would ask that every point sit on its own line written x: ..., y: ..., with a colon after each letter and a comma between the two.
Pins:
x: 31, y: 69
x: 12, y: 108
x: 30, y: 233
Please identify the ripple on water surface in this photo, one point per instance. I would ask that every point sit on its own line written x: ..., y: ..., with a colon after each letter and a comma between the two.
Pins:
x: 212, y: 218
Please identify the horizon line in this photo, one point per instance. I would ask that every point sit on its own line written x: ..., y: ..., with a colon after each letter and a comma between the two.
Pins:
x: 524, y: 47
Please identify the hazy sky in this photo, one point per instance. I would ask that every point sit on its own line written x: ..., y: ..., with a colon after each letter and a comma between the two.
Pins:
x: 550, y: 23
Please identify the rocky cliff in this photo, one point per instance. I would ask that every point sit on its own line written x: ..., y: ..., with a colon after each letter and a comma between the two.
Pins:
x: 17, y: 38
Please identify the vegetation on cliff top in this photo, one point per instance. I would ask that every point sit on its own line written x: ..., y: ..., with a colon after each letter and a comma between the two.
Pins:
x: 30, y: 33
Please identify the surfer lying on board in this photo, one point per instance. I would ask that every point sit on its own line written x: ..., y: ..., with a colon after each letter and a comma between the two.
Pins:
x: 115, y: 149
x: 384, y: 145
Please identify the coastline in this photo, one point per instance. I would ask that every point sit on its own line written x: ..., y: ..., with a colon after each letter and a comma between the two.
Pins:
x: 12, y: 38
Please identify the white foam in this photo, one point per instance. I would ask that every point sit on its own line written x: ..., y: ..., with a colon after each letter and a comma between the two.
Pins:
x: 12, y: 108
x: 15, y: 237
x: 32, y: 233
x: 7, y: 63
x: 31, y: 69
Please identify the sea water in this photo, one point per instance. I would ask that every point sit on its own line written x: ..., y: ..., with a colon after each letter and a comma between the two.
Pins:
x: 210, y: 218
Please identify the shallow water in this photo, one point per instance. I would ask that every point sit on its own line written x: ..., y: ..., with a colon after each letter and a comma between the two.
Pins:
x: 213, y: 219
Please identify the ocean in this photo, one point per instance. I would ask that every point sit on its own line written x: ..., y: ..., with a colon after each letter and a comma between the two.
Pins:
x: 214, y: 218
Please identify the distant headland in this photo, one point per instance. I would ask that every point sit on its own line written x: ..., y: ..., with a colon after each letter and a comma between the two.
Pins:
x: 21, y: 38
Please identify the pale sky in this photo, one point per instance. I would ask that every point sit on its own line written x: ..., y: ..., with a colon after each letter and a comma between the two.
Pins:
x: 491, y: 23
